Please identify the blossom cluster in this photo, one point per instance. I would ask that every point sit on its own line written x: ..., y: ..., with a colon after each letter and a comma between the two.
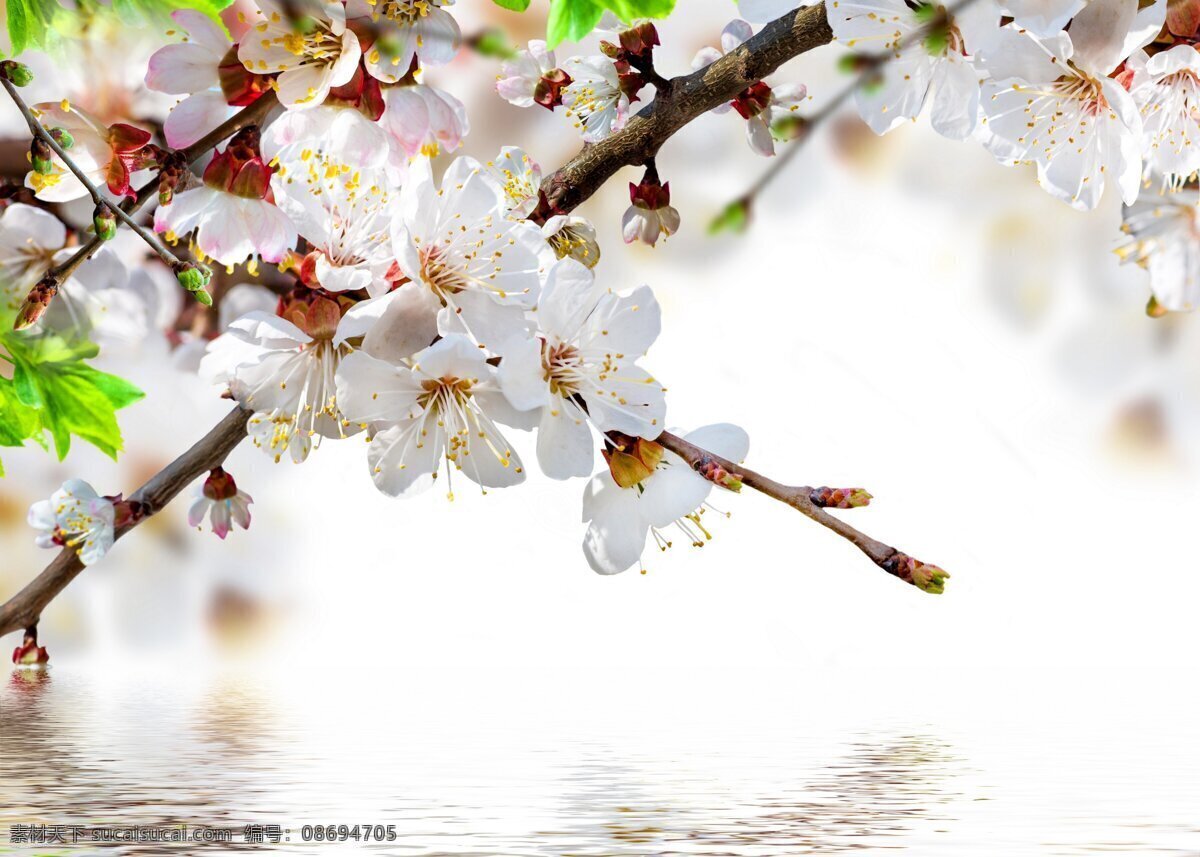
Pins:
x: 433, y: 311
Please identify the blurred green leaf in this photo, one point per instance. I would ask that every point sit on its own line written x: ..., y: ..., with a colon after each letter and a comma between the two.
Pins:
x: 734, y: 217
x: 514, y: 5
x: 572, y: 20
x: 44, y: 24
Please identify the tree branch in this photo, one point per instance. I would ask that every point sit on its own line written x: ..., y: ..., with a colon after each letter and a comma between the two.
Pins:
x: 251, y: 114
x: 930, y: 578
x: 684, y: 99
x: 24, y: 608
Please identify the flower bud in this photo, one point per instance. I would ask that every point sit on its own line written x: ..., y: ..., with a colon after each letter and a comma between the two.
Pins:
x: 36, y: 302
x: 40, y: 154
x: 63, y: 137
x: 16, y: 73
x: 202, y: 297
x: 104, y: 222
x: 1154, y: 309
x: 29, y: 653
x: 839, y: 498
x: 193, y: 277
x: 715, y: 472
x: 927, y: 578
x: 631, y: 459
x: 734, y: 217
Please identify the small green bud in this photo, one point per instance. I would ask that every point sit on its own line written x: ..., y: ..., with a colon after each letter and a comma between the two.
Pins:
x: 16, y: 73
x: 40, y: 155
x: 734, y: 217
x: 202, y: 297
x: 840, y: 498
x: 63, y: 137
x: 193, y: 277
x: 104, y: 222
x: 927, y: 578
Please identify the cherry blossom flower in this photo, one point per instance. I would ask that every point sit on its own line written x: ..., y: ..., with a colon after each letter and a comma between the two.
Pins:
x: 444, y: 406
x: 345, y: 215
x: 220, y: 500
x: 574, y: 237
x: 204, y: 67
x: 77, y: 517
x: 107, y: 156
x: 760, y: 105
x: 344, y: 132
x: 531, y: 77
x: 923, y: 67
x: 1051, y: 102
x: 582, y: 367
x: 283, y: 368
x: 420, y: 30
x: 1165, y: 240
x: 475, y: 268
x: 595, y: 98
x: 670, y: 493
x: 422, y: 120
x: 520, y: 177
x: 651, y: 214
x: 1166, y: 89
x: 311, y: 60
x: 29, y: 655
x: 29, y: 240
x: 233, y: 213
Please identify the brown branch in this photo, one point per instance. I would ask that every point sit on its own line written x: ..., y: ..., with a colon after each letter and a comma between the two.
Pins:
x: 252, y: 114
x: 24, y: 608
x: 684, y: 99
x: 927, y: 577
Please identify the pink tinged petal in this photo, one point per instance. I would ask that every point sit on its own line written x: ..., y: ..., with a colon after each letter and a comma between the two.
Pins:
x: 269, y: 229
x: 182, y: 69
x: 222, y: 233
x: 220, y: 518
x: 758, y: 135
x: 194, y: 117
x: 634, y: 225
x: 239, y: 508
x: 438, y: 37
x: 198, y: 510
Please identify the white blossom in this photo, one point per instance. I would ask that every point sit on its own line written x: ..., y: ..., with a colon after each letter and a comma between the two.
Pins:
x: 77, y: 517
x: 594, y: 98
x: 413, y: 29
x: 1164, y: 234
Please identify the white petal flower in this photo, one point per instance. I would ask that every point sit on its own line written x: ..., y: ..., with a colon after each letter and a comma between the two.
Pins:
x: 1054, y: 106
x: 286, y: 375
x: 29, y: 239
x: 310, y: 61
x: 444, y: 406
x: 345, y: 215
x: 735, y: 32
x: 422, y: 120
x: 220, y: 500
x: 571, y: 236
x: 1166, y: 89
x: 412, y: 29
x: 1165, y: 240
x: 1042, y: 18
x: 90, y: 151
x: 105, y: 301
x: 520, y: 177
x: 922, y: 67
x: 343, y: 133
x: 672, y: 495
x: 594, y: 98
x: 582, y: 367
x: 521, y: 77
x: 192, y: 65
x: 478, y: 269
x: 77, y: 517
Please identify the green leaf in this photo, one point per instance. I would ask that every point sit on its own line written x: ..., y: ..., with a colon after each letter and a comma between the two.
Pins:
x: 571, y: 20
x: 44, y: 24
x: 52, y: 389
x: 735, y: 217
x: 513, y: 5
x: 628, y: 10
x: 18, y: 25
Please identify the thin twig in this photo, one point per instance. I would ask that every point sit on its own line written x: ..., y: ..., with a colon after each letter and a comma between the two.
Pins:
x: 38, y: 130
x: 251, y: 114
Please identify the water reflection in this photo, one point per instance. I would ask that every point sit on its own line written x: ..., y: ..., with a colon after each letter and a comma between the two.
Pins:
x: 75, y: 749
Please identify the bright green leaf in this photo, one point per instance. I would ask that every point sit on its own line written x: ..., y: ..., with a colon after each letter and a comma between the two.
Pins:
x: 18, y: 421
x: 513, y: 5
x: 628, y: 10
x: 571, y: 20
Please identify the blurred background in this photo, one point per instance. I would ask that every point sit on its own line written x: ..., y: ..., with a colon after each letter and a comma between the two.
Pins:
x: 904, y: 314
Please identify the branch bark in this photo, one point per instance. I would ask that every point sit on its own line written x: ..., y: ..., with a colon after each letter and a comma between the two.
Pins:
x: 684, y: 99
x: 24, y: 609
